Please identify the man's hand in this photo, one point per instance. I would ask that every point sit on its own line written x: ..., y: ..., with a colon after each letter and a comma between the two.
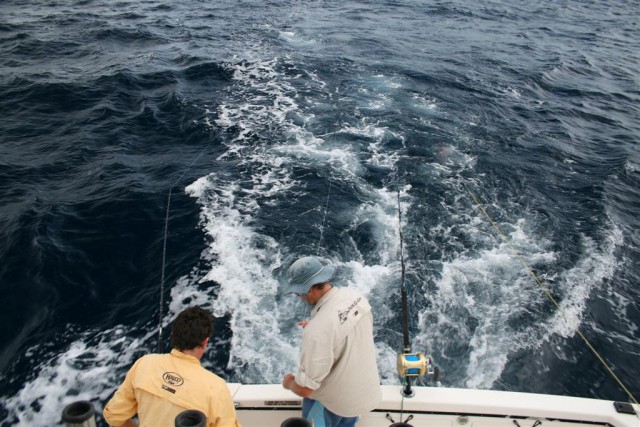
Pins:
x: 289, y: 382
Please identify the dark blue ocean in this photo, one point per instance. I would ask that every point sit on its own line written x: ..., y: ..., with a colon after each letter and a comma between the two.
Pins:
x: 260, y: 131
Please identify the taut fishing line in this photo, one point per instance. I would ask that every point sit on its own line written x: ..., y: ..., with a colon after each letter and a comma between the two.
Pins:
x: 324, y: 218
x: 164, y: 244
x: 546, y: 291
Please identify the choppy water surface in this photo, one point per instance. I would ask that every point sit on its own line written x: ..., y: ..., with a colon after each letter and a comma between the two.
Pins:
x: 291, y: 128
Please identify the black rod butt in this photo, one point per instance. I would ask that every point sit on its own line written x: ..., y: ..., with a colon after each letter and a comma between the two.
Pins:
x: 190, y: 418
x: 295, y: 422
x: 79, y: 413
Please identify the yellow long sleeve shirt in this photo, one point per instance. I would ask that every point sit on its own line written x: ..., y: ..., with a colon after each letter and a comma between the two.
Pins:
x: 160, y: 386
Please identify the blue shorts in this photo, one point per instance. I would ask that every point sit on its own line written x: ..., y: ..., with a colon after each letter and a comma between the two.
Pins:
x: 320, y: 416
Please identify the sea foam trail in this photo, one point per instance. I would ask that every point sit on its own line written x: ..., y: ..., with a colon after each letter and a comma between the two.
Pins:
x: 317, y: 102
x: 245, y: 264
x: 490, y: 301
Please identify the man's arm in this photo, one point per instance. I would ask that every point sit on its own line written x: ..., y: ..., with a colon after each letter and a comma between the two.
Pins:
x: 122, y: 406
x: 129, y: 423
x: 289, y: 382
x: 222, y: 411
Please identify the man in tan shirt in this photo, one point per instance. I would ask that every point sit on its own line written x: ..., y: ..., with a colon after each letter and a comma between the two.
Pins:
x: 338, y: 375
x: 158, y: 387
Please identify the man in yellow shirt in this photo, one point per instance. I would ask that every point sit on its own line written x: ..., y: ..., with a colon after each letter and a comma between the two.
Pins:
x: 158, y: 387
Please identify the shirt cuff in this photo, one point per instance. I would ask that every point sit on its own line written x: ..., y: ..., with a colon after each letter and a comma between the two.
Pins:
x: 303, y: 380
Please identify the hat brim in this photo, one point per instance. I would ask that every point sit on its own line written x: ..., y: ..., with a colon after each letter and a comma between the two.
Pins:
x: 324, y: 275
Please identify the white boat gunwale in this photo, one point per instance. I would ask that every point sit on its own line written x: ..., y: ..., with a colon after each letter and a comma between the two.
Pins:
x: 264, y: 404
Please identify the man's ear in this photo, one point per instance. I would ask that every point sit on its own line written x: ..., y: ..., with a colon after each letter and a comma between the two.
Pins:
x: 204, y: 343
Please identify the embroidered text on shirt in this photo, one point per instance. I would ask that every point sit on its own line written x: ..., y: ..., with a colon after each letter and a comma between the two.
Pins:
x: 344, y: 315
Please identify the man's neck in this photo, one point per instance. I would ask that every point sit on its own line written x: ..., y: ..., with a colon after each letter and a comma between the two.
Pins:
x: 198, y: 351
x: 323, y: 296
x: 194, y: 352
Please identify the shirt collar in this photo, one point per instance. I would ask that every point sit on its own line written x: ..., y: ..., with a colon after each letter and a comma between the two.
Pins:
x: 326, y: 297
x: 180, y: 355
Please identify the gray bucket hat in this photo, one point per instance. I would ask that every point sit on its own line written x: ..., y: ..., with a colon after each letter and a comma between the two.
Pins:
x: 308, y: 271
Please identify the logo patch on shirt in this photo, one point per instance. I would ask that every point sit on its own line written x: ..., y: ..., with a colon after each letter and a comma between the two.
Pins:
x: 169, y: 389
x: 172, y: 378
x: 344, y: 315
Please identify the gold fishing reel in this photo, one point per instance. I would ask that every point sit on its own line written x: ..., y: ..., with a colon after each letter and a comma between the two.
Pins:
x: 412, y: 365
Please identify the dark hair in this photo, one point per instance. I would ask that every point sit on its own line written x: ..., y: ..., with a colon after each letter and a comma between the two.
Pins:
x: 320, y: 286
x: 190, y: 328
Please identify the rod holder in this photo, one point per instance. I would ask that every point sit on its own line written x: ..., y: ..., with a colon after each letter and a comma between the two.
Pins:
x: 190, y: 418
x: 79, y: 414
x: 295, y: 422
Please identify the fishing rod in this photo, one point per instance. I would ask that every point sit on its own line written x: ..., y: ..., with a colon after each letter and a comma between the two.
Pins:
x: 410, y: 364
x: 405, y: 310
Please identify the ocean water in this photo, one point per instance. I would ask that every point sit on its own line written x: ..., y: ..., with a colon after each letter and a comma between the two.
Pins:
x: 260, y: 131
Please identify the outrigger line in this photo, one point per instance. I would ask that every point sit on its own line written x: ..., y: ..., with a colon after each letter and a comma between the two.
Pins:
x: 164, y: 246
x: 548, y: 293
x: 409, y: 364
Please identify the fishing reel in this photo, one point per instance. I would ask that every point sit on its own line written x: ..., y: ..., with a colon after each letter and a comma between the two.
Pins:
x: 411, y: 365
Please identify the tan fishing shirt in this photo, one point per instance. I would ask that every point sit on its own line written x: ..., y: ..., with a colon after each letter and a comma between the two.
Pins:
x: 160, y: 386
x: 338, y: 359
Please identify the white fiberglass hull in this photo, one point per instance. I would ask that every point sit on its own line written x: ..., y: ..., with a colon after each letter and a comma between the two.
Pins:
x: 269, y: 405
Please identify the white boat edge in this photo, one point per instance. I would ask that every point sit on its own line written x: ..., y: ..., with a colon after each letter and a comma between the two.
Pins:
x: 266, y: 405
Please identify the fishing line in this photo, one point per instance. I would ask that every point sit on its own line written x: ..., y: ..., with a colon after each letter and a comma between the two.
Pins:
x: 548, y: 293
x: 164, y: 245
x: 324, y: 218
